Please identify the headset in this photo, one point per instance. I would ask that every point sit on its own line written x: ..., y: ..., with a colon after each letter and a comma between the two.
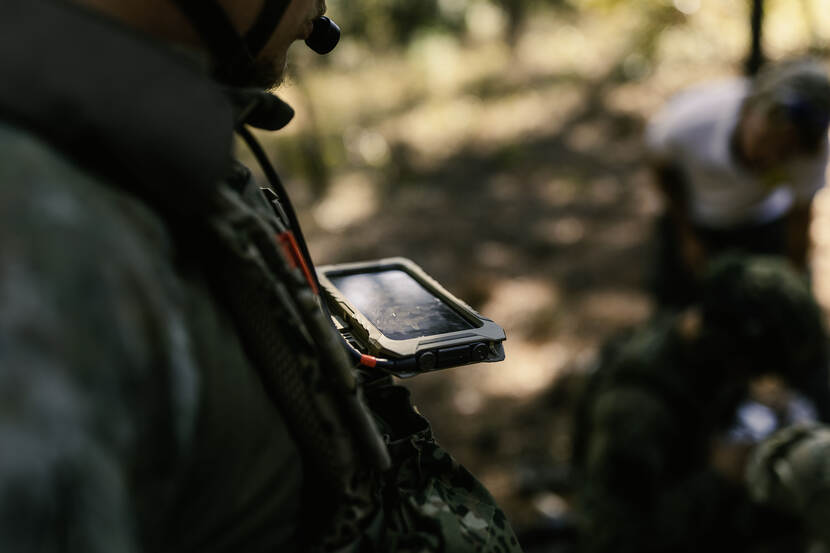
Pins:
x: 234, y: 54
x: 324, y: 36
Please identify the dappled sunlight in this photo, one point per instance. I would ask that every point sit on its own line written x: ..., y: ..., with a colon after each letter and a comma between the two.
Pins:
x: 787, y: 31
x: 560, y: 231
x: 506, y: 188
x: 558, y: 191
x: 636, y: 98
x: 553, y: 44
x: 468, y: 400
x: 530, y: 369
x: 495, y: 255
x: 623, y: 234
x: 588, y: 136
x: 350, y: 200
x: 485, y: 22
x: 687, y: 7
x: 716, y: 33
x: 520, y: 116
x: 514, y: 175
x: 605, y: 190
x: 366, y: 146
x: 613, y: 308
x: 437, y: 58
x: 820, y: 235
x: 344, y: 94
x: 564, y: 48
x: 514, y: 302
x: 647, y: 199
x: 438, y: 130
x: 497, y: 481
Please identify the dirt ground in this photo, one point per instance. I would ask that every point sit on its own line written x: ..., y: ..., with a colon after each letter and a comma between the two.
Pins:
x: 516, y: 179
x: 550, y: 238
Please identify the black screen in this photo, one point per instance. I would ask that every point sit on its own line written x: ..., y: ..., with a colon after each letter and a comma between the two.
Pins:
x: 398, y: 305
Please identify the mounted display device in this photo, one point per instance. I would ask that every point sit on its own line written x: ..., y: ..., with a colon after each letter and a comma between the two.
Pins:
x: 401, y: 320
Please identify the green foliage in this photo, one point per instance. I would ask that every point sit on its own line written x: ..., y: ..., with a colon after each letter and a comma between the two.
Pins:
x: 406, y: 16
x: 394, y: 22
x: 384, y: 23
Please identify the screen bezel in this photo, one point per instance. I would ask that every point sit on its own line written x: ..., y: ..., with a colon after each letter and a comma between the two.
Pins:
x: 377, y: 343
x: 465, y: 321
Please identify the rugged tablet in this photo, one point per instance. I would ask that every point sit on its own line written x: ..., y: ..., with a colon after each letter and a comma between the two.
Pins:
x: 392, y: 310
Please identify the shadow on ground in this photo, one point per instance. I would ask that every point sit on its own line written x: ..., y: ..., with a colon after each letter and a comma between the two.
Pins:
x: 550, y: 236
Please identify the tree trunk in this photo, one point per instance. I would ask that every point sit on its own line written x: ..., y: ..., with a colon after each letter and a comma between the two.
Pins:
x: 756, y: 23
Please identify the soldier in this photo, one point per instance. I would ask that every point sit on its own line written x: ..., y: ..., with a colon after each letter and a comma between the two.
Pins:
x: 169, y: 380
x: 653, y: 414
x: 738, y: 162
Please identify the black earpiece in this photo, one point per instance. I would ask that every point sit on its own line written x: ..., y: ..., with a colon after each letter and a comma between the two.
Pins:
x: 324, y: 36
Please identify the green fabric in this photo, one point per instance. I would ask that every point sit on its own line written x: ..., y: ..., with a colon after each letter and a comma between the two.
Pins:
x: 791, y: 471
x: 642, y: 443
x: 122, y: 378
x: 430, y: 502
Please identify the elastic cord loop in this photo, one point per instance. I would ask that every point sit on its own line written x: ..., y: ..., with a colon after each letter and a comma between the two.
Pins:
x: 275, y: 182
x: 263, y: 28
x: 216, y: 30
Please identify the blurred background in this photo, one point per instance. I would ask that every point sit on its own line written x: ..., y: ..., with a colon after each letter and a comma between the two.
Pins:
x: 497, y: 143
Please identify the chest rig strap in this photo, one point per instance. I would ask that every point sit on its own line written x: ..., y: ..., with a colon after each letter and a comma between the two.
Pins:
x: 293, y: 308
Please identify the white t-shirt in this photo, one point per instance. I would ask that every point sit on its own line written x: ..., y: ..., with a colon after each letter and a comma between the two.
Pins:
x: 694, y: 131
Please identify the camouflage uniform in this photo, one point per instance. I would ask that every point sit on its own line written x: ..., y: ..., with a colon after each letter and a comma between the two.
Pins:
x: 662, y: 393
x: 168, y: 380
x: 791, y: 471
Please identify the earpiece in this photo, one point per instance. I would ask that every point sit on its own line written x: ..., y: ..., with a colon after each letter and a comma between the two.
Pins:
x: 324, y: 36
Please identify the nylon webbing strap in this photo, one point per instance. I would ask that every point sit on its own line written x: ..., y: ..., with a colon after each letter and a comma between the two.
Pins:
x: 272, y: 333
x: 266, y: 23
x: 269, y: 304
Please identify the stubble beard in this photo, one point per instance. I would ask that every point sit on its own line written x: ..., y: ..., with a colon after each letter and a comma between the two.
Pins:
x: 267, y: 74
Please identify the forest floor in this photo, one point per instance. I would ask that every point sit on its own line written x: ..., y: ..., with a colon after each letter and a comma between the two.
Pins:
x: 516, y: 179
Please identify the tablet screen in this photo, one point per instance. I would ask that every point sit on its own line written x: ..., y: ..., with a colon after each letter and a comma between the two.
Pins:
x: 398, y: 305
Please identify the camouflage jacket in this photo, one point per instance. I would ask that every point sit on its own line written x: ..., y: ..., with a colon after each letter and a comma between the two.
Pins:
x: 642, y: 444
x: 144, y: 407
x: 791, y: 471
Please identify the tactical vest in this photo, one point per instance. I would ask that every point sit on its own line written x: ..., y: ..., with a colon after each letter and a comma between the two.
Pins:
x: 265, y: 279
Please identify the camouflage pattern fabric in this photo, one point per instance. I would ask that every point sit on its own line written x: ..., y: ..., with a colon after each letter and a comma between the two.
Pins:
x: 662, y: 393
x: 641, y: 456
x: 791, y: 471
x: 430, y: 502
x: 132, y: 419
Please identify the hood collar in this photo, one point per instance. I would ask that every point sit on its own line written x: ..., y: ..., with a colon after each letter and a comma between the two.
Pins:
x: 121, y: 104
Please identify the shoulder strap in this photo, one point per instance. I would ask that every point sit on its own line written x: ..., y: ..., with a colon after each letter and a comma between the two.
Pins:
x: 303, y: 367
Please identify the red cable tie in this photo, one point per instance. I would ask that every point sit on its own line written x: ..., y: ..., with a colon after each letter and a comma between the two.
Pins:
x: 285, y: 244
x: 368, y: 361
x: 295, y: 257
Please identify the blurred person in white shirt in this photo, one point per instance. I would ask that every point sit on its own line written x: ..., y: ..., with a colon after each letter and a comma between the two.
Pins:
x: 738, y: 162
